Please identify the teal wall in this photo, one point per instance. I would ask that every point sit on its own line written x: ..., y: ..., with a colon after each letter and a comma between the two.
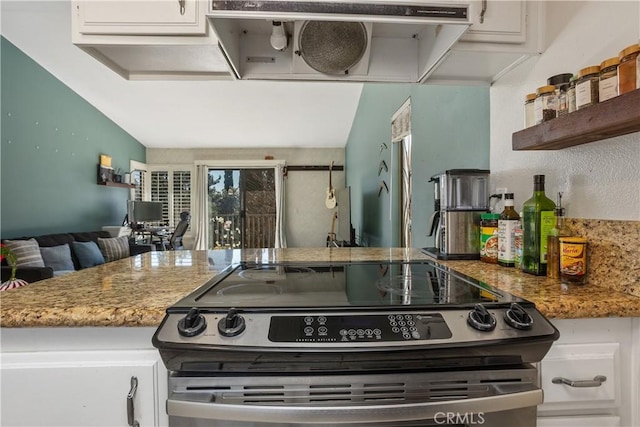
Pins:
x: 450, y: 130
x: 51, y: 140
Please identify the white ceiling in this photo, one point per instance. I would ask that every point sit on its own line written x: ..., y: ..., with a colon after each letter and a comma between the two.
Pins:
x: 185, y: 114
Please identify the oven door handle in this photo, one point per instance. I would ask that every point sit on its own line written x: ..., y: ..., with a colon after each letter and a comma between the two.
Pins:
x: 184, y: 405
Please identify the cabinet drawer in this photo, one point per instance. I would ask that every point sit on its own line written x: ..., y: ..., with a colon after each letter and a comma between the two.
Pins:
x: 581, y: 363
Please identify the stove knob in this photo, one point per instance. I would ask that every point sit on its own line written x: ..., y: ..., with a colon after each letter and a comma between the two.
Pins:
x: 192, y: 324
x: 480, y: 319
x: 232, y: 325
x: 518, y: 318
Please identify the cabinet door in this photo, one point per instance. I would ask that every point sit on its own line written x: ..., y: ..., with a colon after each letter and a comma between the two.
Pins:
x: 497, y: 21
x: 81, y: 388
x: 138, y: 17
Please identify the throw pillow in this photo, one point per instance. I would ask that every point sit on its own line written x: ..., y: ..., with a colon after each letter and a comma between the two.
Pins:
x: 57, y: 257
x: 88, y: 254
x: 114, y: 248
x: 27, y: 252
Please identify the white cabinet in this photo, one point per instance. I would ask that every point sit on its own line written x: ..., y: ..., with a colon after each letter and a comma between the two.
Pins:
x: 497, y: 21
x: 588, y: 375
x: 81, y: 377
x: 80, y: 388
x: 150, y: 40
x: 141, y: 17
x: 511, y: 32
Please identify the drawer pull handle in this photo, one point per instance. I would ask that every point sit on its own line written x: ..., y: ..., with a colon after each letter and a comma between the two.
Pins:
x: 595, y: 382
x: 130, y: 409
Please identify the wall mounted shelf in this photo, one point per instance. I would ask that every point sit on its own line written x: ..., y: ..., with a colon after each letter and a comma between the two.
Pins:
x: 117, y: 184
x: 614, y: 117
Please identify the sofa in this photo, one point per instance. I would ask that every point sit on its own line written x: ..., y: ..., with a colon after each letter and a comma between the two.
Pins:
x: 66, y: 252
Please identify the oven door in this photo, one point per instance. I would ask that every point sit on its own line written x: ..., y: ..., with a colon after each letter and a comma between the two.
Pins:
x: 500, y: 397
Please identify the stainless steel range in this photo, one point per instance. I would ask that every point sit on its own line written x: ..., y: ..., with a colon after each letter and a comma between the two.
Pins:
x: 367, y: 343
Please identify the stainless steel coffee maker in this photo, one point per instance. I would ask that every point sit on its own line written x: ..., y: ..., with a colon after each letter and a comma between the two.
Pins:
x: 461, y: 196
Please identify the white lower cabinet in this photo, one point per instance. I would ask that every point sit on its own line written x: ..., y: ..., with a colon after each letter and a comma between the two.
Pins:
x: 66, y: 385
x: 587, y: 376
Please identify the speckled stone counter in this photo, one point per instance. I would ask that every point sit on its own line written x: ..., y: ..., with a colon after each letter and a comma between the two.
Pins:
x: 136, y: 291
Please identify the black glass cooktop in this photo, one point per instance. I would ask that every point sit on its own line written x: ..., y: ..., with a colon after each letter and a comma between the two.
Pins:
x: 340, y: 285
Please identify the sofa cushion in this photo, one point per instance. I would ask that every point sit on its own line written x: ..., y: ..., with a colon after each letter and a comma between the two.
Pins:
x: 58, y: 257
x: 27, y: 252
x: 90, y: 236
x: 48, y: 240
x: 88, y: 254
x: 114, y: 248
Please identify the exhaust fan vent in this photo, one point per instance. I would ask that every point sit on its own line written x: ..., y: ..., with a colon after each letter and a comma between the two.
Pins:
x: 332, y: 47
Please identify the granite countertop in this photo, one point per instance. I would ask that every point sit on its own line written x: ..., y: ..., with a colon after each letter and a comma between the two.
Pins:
x: 136, y: 291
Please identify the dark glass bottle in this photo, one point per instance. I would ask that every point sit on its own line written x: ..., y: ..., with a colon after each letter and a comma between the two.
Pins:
x: 507, y: 223
x: 538, y: 218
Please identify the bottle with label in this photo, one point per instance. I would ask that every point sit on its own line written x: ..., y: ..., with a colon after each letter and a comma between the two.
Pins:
x: 538, y: 218
x: 553, y: 241
x: 489, y: 237
x: 507, y: 223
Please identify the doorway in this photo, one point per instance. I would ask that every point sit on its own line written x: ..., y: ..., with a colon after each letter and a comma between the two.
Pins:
x: 401, y: 139
x: 241, y: 208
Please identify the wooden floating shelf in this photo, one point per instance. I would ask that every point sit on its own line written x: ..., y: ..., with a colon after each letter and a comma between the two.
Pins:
x: 117, y: 184
x: 614, y: 117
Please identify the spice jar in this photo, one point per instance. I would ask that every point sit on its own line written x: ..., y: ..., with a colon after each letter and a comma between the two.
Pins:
x: 545, y: 104
x: 587, y: 87
x: 571, y: 94
x: 561, y: 82
x: 529, y: 114
x: 489, y: 237
x: 608, y: 85
x: 627, y: 69
x: 573, y: 260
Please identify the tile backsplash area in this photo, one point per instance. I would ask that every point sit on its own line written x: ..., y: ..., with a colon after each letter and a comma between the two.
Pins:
x: 613, y: 252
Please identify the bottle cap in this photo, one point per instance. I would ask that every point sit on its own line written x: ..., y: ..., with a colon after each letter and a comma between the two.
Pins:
x: 545, y: 89
x: 538, y: 179
x: 609, y: 62
x: 508, y: 196
x: 595, y: 69
x: 530, y: 96
x: 559, y: 79
x: 629, y: 50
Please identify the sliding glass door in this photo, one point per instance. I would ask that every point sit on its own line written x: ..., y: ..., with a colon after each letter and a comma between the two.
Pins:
x: 241, y: 208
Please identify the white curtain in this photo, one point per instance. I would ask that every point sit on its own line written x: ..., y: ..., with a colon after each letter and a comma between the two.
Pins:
x: 281, y: 239
x: 200, y: 216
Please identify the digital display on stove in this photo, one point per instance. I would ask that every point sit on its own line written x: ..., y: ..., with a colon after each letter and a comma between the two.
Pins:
x: 358, y: 328
x: 341, y: 285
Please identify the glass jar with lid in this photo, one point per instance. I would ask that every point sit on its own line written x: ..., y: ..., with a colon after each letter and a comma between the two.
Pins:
x: 571, y: 94
x: 587, y: 87
x: 561, y: 82
x: 608, y: 85
x: 627, y: 69
x: 529, y: 114
x: 545, y: 104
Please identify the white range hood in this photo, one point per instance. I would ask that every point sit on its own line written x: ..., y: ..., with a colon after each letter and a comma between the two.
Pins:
x: 371, y: 40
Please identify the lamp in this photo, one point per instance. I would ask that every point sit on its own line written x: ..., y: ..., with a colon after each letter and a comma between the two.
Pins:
x: 278, y: 38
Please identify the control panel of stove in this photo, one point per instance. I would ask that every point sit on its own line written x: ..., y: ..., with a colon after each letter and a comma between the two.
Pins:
x: 358, y: 328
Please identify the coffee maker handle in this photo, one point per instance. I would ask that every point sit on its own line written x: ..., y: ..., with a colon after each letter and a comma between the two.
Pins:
x: 433, y: 222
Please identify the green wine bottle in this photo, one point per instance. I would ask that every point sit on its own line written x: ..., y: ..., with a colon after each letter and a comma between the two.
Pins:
x: 538, y: 218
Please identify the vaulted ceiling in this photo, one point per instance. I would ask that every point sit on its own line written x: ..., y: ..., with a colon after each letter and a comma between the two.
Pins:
x: 188, y: 114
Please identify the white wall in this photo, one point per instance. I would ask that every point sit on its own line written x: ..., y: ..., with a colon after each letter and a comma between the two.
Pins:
x: 307, y: 219
x: 600, y: 180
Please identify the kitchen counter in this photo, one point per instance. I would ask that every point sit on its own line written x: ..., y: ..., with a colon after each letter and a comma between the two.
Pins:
x: 136, y: 291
